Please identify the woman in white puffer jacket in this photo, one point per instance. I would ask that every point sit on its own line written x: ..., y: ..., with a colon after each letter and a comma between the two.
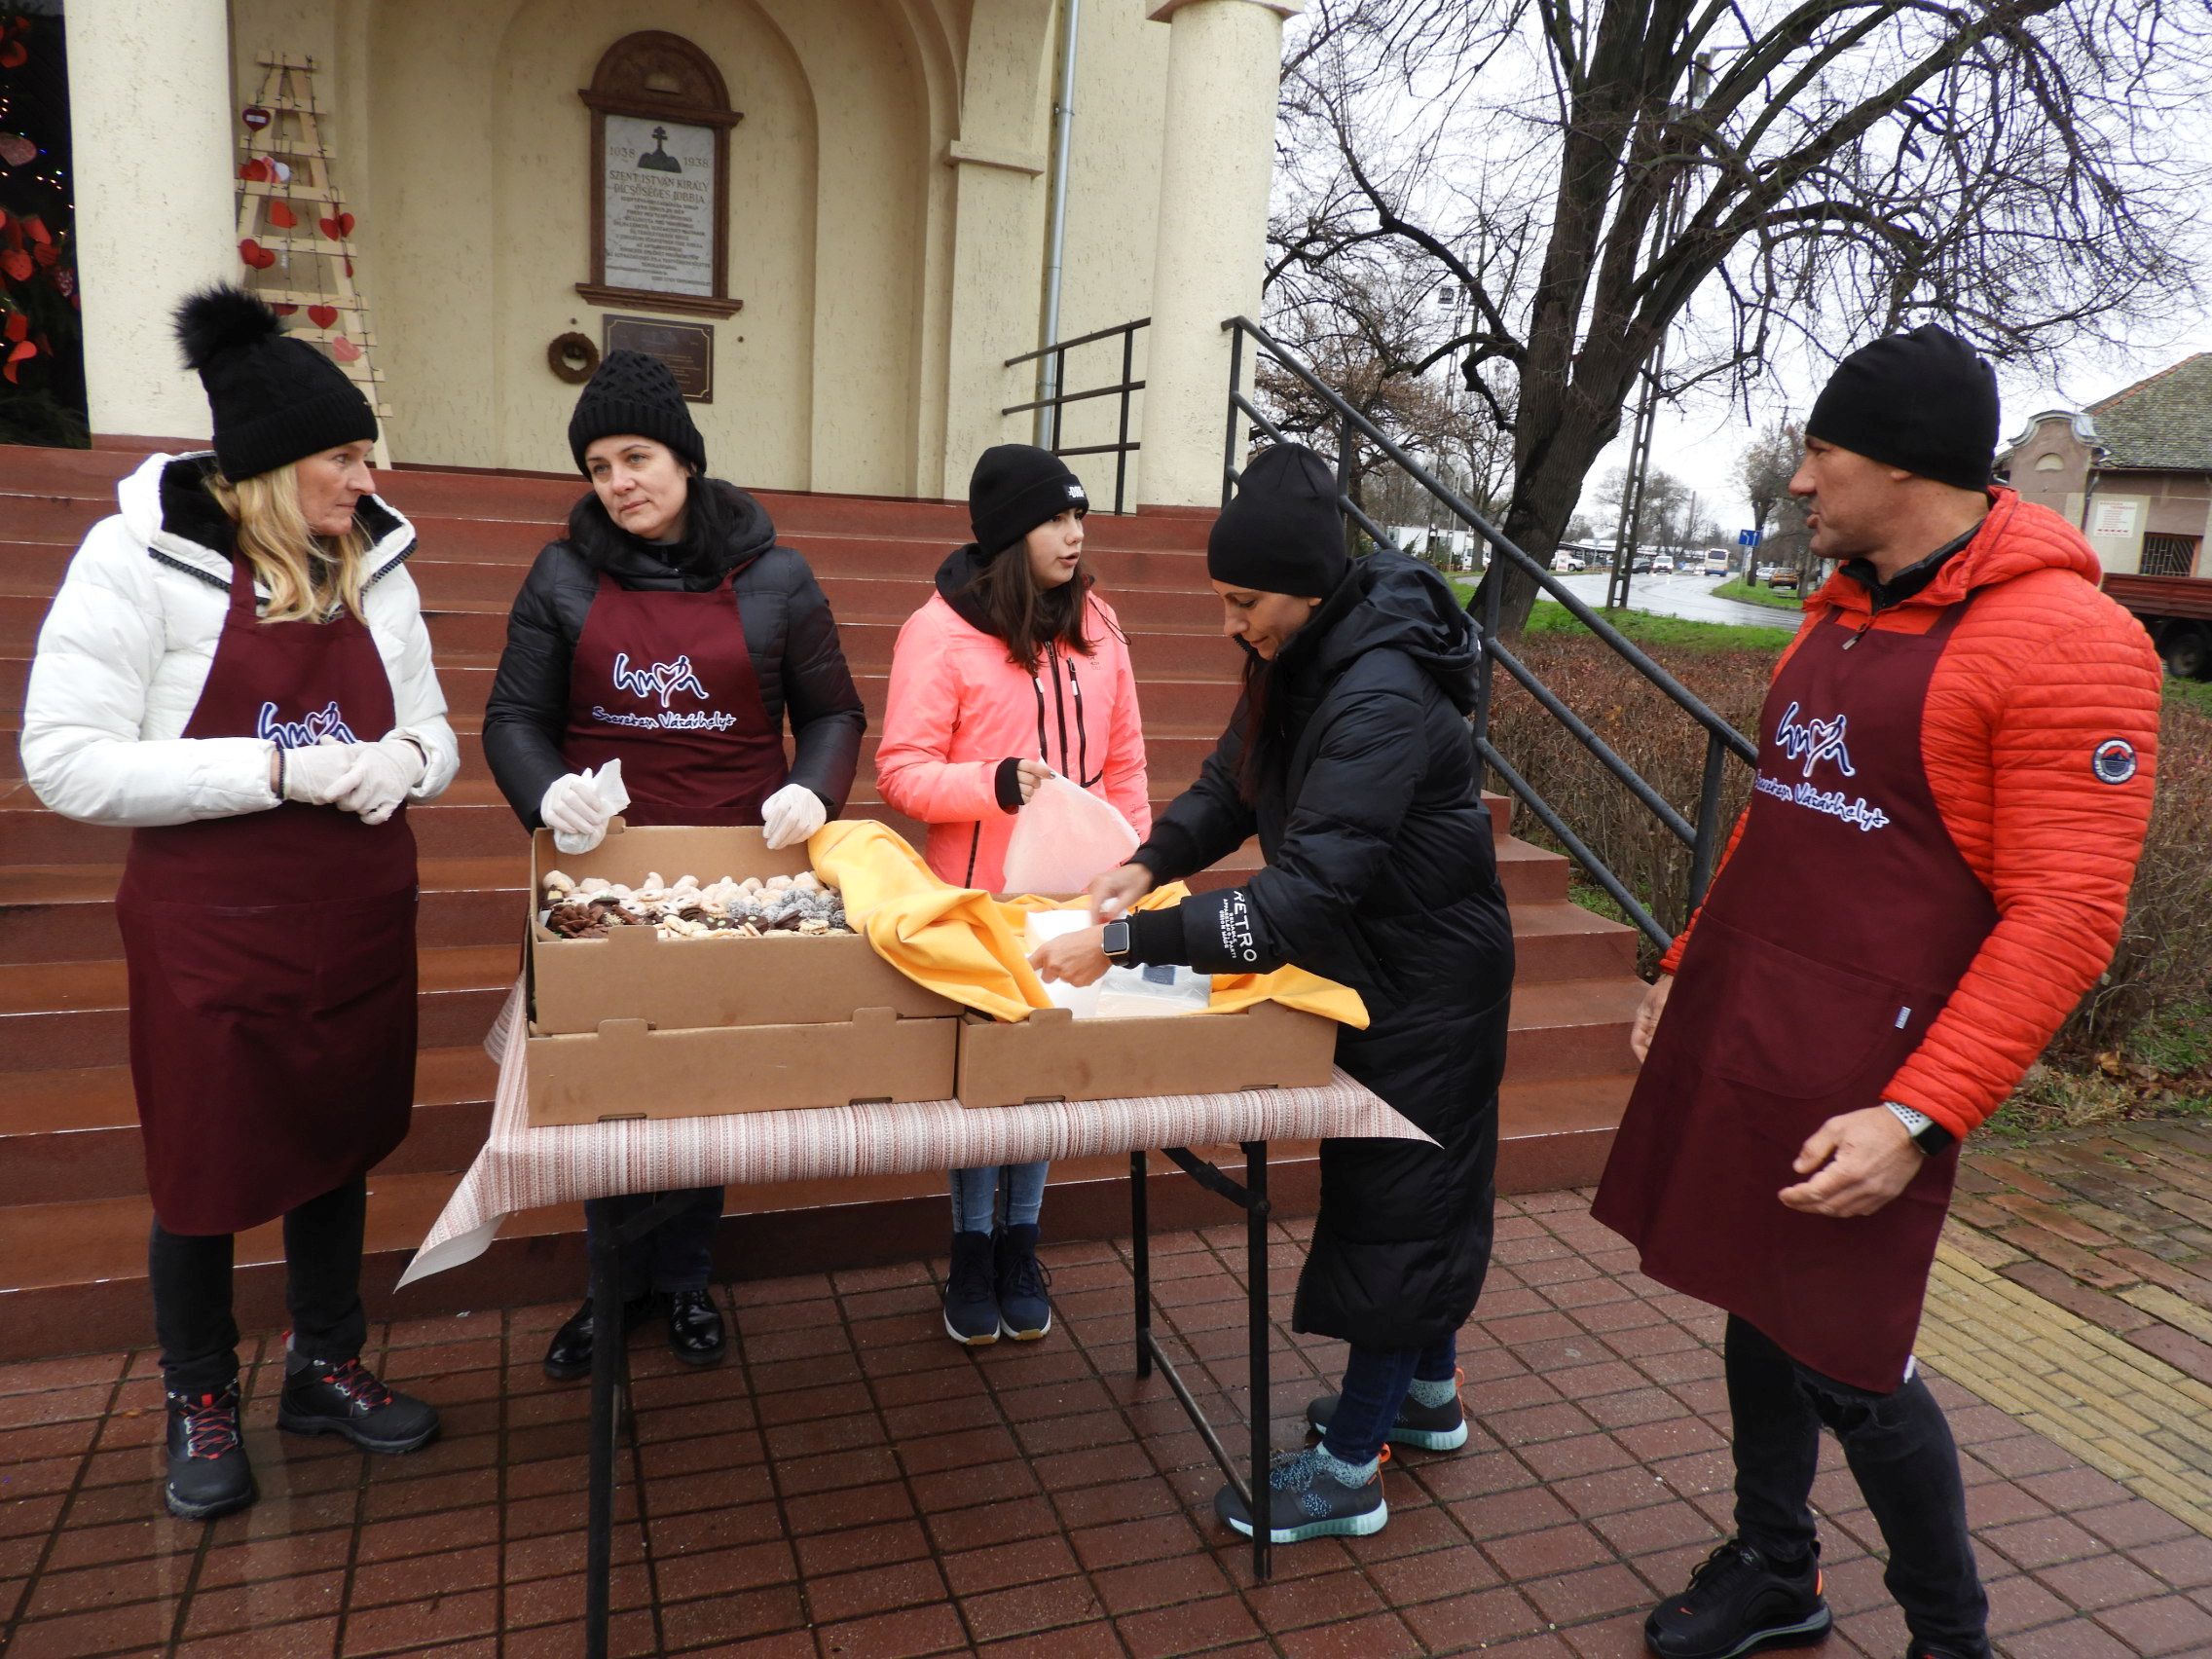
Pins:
x: 236, y: 669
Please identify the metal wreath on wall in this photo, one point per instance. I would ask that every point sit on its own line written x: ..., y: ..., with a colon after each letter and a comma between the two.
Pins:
x: 659, y: 164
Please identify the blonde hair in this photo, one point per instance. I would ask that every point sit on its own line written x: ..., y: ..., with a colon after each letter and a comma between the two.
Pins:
x: 308, y: 577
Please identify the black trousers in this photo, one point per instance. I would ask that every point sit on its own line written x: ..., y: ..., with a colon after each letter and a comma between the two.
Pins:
x: 677, y: 1255
x: 191, y: 1276
x: 1901, y: 1454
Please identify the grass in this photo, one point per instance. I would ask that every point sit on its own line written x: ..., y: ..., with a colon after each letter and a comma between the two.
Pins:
x: 2164, y: 1070
x: 2189, y: 694
x: 1737, y: 588
x: 1667, y: 633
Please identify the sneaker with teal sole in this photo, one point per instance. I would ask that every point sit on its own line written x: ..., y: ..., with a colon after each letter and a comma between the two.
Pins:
x: 1304, y: 1502
x: 1430, y: 1429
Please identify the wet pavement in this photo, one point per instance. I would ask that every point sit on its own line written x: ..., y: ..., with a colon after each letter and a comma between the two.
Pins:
x: 1686, y: 596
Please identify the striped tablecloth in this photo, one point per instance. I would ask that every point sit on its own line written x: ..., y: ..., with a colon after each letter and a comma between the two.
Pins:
x: 522, y: 1168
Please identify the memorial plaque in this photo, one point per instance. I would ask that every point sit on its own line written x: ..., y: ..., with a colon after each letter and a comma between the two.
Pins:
x: 688, y: 348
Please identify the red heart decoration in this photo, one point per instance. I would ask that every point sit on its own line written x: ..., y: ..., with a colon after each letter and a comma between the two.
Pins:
x: 349, y: 267
x: 35, y: 228
x: 338, y: 227
x: 344, y: 349
x: 322, y: 316
x: 47, y: 254
x: 24, y: 350
x: 281, y: 216
x: 16, y: 264
x: 254, y: 254
x: 283, y: 310
x: 256, y: 170
x: 13, y: 56
x: 16, y: 327
x: 255, y: 116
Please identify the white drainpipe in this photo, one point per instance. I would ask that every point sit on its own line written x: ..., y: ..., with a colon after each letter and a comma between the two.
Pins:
x: 1063, y: 125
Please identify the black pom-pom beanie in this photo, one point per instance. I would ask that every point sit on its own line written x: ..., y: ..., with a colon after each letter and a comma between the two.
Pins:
x: 1922, y: 401
x: 276, y: 399
x: 1016, y: 488
x: 1282, y: 532
x: 633, y: 394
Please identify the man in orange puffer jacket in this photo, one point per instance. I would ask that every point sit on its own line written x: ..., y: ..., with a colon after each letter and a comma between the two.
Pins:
x: 1955, y: 775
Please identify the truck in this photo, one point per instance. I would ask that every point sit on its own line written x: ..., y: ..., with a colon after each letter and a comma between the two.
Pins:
x: 2177, y: 613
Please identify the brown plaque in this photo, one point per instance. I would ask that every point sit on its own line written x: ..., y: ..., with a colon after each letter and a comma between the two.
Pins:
x: 686, y: 347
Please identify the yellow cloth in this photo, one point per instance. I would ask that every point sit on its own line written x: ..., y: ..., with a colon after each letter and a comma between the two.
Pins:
x: 968, y: 946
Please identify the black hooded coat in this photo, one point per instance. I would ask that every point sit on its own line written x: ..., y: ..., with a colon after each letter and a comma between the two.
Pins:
x: 789, y: 632
x: 1381, y: 875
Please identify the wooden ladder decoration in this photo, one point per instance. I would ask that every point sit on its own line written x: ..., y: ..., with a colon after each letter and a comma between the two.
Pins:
x: 286, y: 173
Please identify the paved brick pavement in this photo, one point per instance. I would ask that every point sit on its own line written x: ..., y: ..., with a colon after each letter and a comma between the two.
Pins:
x: 855, y: 1486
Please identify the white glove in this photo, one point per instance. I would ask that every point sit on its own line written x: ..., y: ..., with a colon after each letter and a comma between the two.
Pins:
x: 379, y: 779
x: 313, y: 776
x: 792, y: 815
x: 572, y: 810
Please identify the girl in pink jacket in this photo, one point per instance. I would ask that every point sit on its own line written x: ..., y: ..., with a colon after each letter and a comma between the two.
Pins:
x: 1013, y: 668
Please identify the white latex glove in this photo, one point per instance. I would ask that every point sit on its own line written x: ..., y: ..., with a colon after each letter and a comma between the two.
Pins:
x: 312, y: 776
x: 379, y: 779
x: 572, y: 810
x: 792, y: 815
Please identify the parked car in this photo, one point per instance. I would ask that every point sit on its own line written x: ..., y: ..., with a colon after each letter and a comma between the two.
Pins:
x: 1565, y: 561
x: 1783, y: 576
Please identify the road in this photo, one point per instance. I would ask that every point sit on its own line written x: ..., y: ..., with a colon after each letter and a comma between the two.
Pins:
x: 1686, y: 596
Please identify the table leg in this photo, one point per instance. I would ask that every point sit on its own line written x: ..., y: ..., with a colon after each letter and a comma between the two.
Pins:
x: 1140, y: 1260
x: 608, y: 1358
x: 1263, y: 1403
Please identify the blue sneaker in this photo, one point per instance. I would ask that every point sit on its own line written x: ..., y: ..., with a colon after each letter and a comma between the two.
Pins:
x: 971, y: 1307
x: 1431, y: 1428
x: 1305, y: 1502
x: 1025, y: 1310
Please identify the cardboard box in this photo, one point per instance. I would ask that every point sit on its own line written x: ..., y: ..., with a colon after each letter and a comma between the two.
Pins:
x: 1051, y: 1056
x: 578, y: 984
x: 626, y: 1069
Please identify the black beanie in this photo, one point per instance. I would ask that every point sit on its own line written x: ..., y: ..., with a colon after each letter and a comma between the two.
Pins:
x: 1016, y: 488
x: 633, y: 394
x: 276, y: 399
x: 1283, y: 532
x: 1923, y: 402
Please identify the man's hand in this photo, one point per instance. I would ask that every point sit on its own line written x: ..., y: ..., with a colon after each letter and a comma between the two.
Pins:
x: 1076, y: 958
x: 1647, y: 1015
x: 1857, y: 1162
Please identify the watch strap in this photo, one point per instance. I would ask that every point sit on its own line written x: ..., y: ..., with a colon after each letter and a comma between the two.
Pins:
x: 1927, y: 1133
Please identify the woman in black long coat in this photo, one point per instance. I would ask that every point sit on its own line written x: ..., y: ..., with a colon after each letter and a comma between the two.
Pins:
x: 1349, y: 757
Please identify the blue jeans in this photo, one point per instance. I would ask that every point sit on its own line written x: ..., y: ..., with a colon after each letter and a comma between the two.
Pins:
x: 1376, y: 1382
x: 976, y: 1195
x: 677, y: 1255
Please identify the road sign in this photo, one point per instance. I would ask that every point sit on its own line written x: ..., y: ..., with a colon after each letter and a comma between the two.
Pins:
x: 1747, y: 538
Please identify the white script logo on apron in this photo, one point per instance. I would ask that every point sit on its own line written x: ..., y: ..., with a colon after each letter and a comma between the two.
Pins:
x: 663, y: 680
x: 325, y: 722
x: 1813, y: 742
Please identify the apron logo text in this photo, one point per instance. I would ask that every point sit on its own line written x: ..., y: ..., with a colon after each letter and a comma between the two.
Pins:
x: 325, y: 722
x: 699, y: 720
x: 663, y: 678
x: 1858, y: 814
x: 1814, y: 741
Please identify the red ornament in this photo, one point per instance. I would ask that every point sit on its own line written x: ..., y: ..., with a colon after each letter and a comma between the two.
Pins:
x: 22, y: 353
x: 338, y: 227
x: 344, y: 349
x: 16, y: 264
x: 254, y: 117
x: 34, y: 227
x: 47, y: 254
x: 281, y: 216
x: 285, y: 310
x: 255, y: 172
x: 322, y: 316
x: 13, y: 56
x: 16, y: 327
x: 254, y: 254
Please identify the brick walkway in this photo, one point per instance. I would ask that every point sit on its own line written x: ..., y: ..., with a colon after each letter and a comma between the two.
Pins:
x: 854, y: 1486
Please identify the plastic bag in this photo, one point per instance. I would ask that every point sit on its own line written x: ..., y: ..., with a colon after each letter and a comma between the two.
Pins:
x: 1041, y: 926
x: 607, y: 783
x: 1063, y: 838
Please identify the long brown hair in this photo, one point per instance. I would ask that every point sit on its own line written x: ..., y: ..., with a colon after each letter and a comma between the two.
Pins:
x: 1029, y: 617
x: 307, y: 575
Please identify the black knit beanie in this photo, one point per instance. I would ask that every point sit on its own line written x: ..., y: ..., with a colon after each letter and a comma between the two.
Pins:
x: 1016, y: 488
x: 1283, y: 532
x: 1923, y: 402
x: 276, y: 399
x: 633, y: 394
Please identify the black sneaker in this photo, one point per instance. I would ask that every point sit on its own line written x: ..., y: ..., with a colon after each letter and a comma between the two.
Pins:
x: 1025, y: 1307
x: 970, y: 1292
x: 208, y: 1471
x: 567, y: 1356
x: 323, y: 1397
x: 1432, y: 1428
x: 1737, y: 1604
x: 1305, y: 1502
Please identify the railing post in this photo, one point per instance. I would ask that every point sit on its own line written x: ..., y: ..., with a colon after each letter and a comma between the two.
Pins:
x: 1345, y: 438
x: 1121, y: 442
x: 1493, y: 569
x: 1235, y: 379
x: 1706, y: 848
x: 1059, y: 393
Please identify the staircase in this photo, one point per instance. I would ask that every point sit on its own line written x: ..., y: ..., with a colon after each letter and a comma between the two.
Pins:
x: 73, y: 1212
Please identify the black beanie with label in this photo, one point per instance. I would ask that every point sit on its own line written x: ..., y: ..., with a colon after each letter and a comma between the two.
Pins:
x: 1016, y: 488
x: 632, y: 394
x: 1283, y: 532
x: 275, y: 399
x: 1924, y: 401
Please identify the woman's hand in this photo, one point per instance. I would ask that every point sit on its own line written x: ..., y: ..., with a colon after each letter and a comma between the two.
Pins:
x: 1647, y: 1015
x: 1116, y: 892
x: 1076, y: 958
x: 1032, y: 775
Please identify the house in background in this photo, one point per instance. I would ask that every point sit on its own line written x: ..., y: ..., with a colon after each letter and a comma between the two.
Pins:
x: 2133, y: 470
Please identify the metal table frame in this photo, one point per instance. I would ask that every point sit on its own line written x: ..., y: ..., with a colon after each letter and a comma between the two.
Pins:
x: 610, y: 1361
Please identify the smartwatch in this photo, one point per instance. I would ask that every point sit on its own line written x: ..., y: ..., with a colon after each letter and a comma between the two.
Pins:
x: 1927, y: 1133
x: 1115, y: 941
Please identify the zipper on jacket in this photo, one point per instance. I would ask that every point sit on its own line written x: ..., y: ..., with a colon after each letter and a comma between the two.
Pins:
x: 1082, y: 733
x: 975, y: 845
x: 1059, y: 702
x: 1860, y: 633
x: 1037, y: 686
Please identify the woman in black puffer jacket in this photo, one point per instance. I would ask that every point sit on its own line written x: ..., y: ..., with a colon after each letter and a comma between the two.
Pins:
x: 667, y: 631
x: 1349, y: 757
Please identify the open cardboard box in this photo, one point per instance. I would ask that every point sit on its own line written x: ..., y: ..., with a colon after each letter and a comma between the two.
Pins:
x: 577, y: 984
x: 1051, y: 1056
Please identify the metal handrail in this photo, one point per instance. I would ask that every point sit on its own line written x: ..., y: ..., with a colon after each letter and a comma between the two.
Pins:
x: 1722, y: 740
x: 1059, y: 397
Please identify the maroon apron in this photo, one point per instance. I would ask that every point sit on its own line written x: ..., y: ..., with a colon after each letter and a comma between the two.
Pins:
x: 1831, y: 941
x: 271, y: 955
x: 663, y: 683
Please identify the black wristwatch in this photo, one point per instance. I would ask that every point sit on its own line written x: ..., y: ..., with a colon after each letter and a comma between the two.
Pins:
x: 1115, y: 941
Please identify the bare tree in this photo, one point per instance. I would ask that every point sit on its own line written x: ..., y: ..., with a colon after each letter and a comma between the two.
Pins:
x: 1765, y: 468
x: 1788, y: 175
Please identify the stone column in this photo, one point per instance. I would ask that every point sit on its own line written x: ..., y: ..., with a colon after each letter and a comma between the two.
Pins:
x: 157, y: 211
x: 1217, y: 154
